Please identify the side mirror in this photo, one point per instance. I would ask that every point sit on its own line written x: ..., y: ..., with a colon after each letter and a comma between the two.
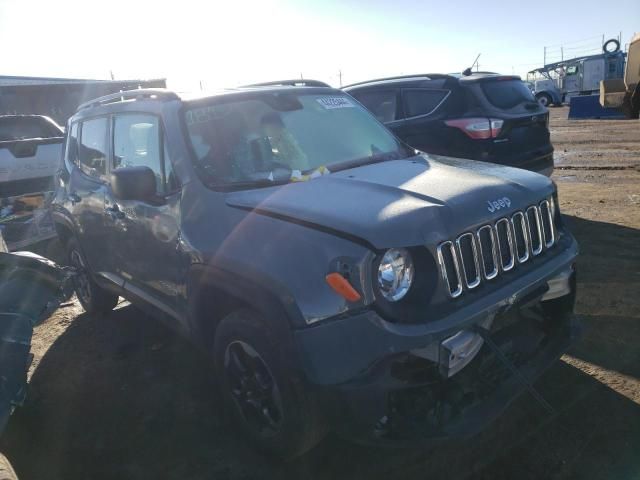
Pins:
x: 134, y: 183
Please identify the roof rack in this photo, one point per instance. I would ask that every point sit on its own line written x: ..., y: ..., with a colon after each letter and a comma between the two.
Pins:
x: 417, y: 76
x: 137, y: 94
x: 292, y: 83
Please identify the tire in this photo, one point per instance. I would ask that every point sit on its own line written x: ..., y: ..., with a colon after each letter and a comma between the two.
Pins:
x: 6, y: 470
x: 93, y: 298
x: 261, y: 390
x: 606, y: 44
x: 544, y: 99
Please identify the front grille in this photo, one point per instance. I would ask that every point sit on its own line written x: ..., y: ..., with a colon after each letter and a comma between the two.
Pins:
x: 474, y: 257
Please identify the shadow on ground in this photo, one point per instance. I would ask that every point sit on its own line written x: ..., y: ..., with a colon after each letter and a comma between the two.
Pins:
x: 120, y: 396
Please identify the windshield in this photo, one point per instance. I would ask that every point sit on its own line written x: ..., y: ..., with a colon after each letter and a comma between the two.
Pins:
x: 280, y: 137
x: 507, y: 93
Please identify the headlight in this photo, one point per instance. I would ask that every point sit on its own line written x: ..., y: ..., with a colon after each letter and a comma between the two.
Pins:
x: 395, y: 274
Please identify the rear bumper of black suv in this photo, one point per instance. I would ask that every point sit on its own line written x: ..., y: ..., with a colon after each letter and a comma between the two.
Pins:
x: 379, y: 388
x: 539, y: 161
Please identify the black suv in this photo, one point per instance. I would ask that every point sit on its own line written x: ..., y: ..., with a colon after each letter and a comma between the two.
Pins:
x: 482, y: 116
x: 337, y: 278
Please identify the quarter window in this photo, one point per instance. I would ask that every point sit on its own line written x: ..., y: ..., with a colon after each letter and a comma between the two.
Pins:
x: 422, y: 102
x: 383, y: 104
x: 136, y: 142
x: 92, y: 151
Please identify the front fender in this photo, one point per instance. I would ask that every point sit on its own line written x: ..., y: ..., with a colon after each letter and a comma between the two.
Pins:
x: 285, y: 261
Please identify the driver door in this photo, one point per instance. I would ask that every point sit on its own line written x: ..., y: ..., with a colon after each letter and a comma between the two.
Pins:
x: 145, y: 235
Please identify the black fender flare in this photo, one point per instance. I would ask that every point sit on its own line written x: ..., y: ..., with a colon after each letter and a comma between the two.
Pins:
x: 255, y: 291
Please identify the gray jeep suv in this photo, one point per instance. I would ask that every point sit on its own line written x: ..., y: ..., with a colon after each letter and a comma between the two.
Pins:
x: 338, y: 279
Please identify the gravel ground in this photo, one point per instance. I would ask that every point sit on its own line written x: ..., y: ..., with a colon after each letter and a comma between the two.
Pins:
x: 121, y: 397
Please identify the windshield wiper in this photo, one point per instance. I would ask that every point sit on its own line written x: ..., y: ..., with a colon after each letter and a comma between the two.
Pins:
x: 240, y: 185
x: 375, y: 158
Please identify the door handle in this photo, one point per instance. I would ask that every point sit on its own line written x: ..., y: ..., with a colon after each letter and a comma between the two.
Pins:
x: 75, y: 198
x: 114, y: 212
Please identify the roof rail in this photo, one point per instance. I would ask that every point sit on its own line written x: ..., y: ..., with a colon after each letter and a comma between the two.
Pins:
x: 422, y: 76
x: 292, y: 83
x: 136, y: 94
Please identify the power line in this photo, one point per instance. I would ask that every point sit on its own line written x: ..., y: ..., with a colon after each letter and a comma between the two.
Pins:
x: 574, y: 41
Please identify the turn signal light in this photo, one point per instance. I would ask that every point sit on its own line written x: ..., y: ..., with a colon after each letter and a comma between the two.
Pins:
x: 342, y: 287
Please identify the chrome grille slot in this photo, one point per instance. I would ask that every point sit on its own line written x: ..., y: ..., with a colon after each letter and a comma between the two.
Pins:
x: 535, y: 230
x: 450, y: 268
x: 546, y: 216
x: 494, y: 248
x: 520, y: 237
x: 488, y: 251
x: 505, y: 244
x: 468, y: 252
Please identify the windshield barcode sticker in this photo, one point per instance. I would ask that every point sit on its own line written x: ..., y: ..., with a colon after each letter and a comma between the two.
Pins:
x: 334, y: 102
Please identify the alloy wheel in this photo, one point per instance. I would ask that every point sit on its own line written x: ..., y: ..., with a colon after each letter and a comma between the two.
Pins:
x: 253, y: 388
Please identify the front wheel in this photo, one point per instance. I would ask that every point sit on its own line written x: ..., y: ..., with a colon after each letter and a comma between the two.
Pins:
x: 92, y: 297
x: 267, y: 398
x: 544, y: 99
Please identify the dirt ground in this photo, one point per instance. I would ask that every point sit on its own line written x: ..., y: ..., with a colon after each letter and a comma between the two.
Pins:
x: 121, y: 397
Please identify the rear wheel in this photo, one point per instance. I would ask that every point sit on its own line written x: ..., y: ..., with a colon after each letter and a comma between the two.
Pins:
x: 93, y: 298
x: 544, y: 99
x: 265, y: 395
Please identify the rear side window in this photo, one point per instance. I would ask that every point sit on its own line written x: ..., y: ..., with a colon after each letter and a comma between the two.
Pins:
x: 507, y: 93
x: 382, y: 103
x: 92, y: 151
x: 422, y: 101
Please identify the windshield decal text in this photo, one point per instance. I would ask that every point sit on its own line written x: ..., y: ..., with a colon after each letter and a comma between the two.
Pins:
x: 334, y: 102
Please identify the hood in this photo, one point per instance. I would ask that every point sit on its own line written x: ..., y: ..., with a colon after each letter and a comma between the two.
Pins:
x: 414, y: 201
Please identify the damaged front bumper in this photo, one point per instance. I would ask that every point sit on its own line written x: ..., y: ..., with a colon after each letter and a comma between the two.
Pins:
x: 389, y: 383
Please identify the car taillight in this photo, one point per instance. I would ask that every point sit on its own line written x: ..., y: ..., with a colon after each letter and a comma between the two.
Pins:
x: 477, y: 128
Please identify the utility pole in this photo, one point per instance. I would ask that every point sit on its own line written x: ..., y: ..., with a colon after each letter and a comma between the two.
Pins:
x: 340, y: 77
x: 562, y: 54
x: 544, y: 61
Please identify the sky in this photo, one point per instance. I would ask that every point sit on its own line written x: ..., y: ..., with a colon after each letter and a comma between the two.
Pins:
x: 220, y: 44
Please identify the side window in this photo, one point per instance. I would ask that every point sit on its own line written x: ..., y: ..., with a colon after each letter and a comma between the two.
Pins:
x: 92, y: 151
x: 72, y: 144
x: 422, y: 101
x: 382, y: 103
x: 136, y: 142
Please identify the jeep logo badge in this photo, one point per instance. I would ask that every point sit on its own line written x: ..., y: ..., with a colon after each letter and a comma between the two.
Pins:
x: 498, y: 204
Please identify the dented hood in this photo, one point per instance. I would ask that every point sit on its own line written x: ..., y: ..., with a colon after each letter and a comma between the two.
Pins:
x: 420, y: 200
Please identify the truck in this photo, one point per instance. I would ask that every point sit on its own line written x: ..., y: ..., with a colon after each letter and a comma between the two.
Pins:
x: 30, y: 152
x: 624, y: 93
x: 555, y: 83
